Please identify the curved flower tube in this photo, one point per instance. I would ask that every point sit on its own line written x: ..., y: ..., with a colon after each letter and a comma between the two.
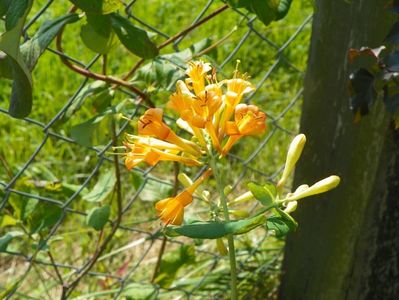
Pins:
x: 248, y: 120
x: 171, y: 210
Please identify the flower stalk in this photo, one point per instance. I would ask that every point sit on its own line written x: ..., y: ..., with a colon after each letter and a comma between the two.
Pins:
x: 230, y: 238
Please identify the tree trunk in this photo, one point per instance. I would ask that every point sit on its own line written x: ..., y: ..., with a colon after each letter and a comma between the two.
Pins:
x: 347, y: 243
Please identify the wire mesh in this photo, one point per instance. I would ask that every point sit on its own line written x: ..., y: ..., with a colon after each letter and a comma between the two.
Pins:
x: 138, y: 238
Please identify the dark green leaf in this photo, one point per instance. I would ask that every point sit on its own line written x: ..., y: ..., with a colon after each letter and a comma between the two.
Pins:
x: 363, y: 93
x: 23, y: 207
x: 214, y: 230
x: 98, y: 6
x: 98, y: 217
x: 44, y: 216
x: 278, y: 225
x: 265, y: 194
x: 16, y: 12
x: 4, y: 5
x: 103, y: 187
x: 89, y: 90
x: 239, y: 3
x: 21, y: 96
x: 265, y: 10
x: 97, y: 33
x: 7, y: 238
x: 283, y: 8
x: 35, y: 47
x: 163, y: 72
x: 133, y: 38
x: 172, y: 262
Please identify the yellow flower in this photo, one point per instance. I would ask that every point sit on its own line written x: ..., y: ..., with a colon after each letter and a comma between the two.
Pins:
x: 197, y: 71
x: 171, y: 210
x: 236, y: 88
x: 248, y: 120
x: 294, y: 153
x: 154, y: 151
x: 151, y: 124
x: 319, y: 187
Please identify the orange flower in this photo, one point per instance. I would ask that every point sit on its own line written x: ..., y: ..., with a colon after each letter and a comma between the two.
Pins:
x: 197, y: 71
x: 151, y: 124
x: 248, y: 120
x: 236, y: 88
x: 152, y: 153
x: 171, y: 210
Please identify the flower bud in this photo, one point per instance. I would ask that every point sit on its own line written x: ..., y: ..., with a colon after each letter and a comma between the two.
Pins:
x: 319, y: 187
x: 291, y: 207
x: 294, y: 152
x: 184, y: 180
x: 243, y: 198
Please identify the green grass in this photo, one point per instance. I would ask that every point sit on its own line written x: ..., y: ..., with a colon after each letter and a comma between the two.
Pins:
x: 61, y: 167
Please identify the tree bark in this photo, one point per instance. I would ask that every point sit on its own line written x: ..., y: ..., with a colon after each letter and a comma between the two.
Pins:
x: 347, y: 243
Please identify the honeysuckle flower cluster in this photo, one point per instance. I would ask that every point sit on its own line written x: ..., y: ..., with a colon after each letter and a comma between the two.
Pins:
x: 210, y: 110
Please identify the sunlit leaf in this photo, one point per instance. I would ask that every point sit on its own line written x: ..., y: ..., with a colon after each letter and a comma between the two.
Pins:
x: 98, y: 217
x: 98, y: 6
x: 136, y: 40
x: 97, y: 33
x: 214, y: 230
x: 265, y: 194
x: 103, y: 187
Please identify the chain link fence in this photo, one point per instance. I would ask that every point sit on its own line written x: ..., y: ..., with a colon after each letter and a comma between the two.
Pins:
x: 37, y: 268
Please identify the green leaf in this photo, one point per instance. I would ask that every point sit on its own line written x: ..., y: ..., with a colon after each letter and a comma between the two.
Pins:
x: 214, y: 230
x: 103, y: 187
x: 97, y: 33
x: 101, y: 7
x: 139, y: 291
x: 172, y: 262
x: 21, y: 95
x: 133, y: 38
x: 363, y: 93
x: 265, y: 10
x: 278, y: 225
x: 7, y: 220
x: 98, y: 217
x: 239, y: 3
x: 163, y: 72
x: 34, y: 48
x: 85, y: 133
x: 23, y: 207
x: 7, y: 238
x: 283, y: 8
x: 44, y: 216
x: 154, y: 191
x: 87, y: 91
x: 4, y: 5
x: 265, y: 194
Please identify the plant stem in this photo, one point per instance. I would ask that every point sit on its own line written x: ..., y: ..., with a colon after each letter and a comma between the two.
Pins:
x: 230, y: 238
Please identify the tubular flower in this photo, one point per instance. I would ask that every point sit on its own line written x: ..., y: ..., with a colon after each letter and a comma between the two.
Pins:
x: 171, y: 210
x: 196, y: 72
x: 151, y: 124
x: 248, y: 120
x: 141, y: 152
